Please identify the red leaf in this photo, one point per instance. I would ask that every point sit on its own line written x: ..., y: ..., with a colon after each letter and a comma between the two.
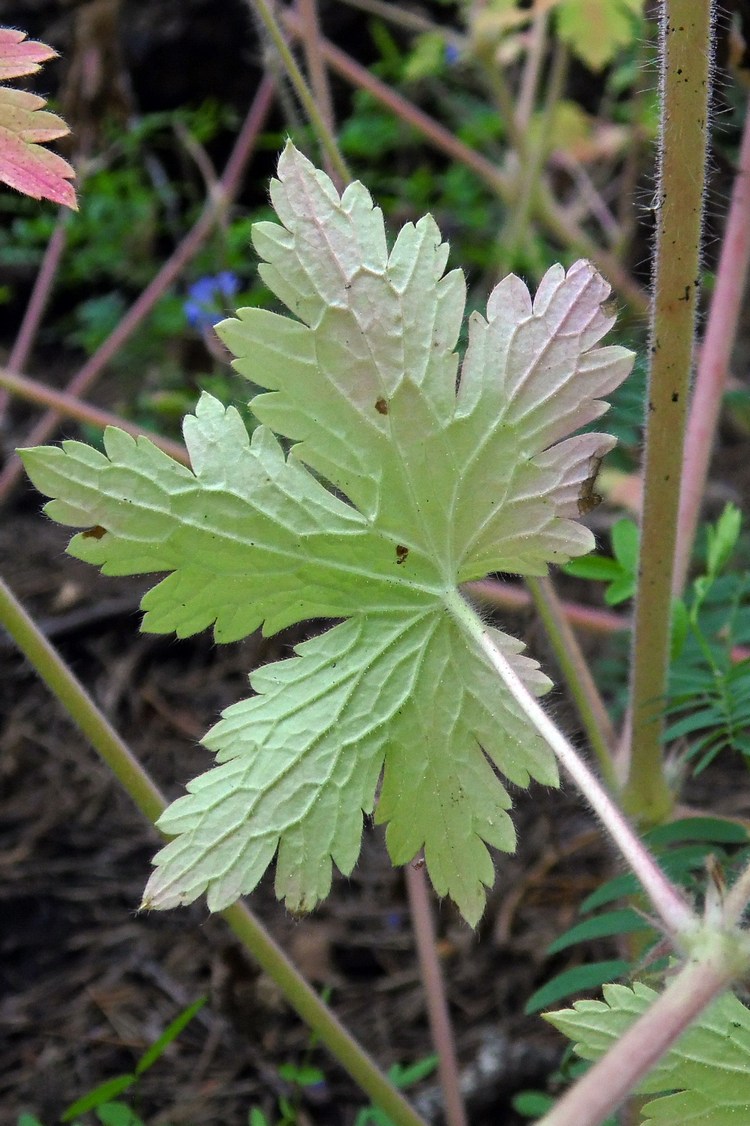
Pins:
x: 19, y: 55
x: 25, y: 126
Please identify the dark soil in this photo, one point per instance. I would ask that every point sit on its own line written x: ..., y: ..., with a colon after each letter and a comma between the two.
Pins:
x: 88, y: 984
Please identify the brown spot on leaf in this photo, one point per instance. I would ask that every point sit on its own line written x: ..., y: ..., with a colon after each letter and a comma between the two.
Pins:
x: 401, y: 553
x: 94, y: 533
x: 381, y: 406
x: 587, y: 498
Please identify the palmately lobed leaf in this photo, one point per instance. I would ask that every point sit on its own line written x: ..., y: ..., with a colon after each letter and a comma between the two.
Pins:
x: 402, y: 481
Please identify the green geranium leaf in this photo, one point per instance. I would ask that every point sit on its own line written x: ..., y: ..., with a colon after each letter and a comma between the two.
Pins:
x: 402, y: 483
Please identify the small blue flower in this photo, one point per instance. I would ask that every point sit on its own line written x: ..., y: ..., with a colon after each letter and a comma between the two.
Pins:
x: 452, y: 54
x: 207, y: 298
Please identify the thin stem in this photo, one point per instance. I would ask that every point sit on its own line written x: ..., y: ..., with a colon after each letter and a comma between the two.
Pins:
x: 318, y: 1017
x: 43, y: 283
x: 737, y: 898
x: 514, y: 597
x: 532, y: 69
x: 713, y: 362
x: 667, y: 900
x: 71, y: 407
x: 604, y: 1087
x: 139, y: 785
x: 686, y: 65
x: 437, y: 1004
x: 535, y: 155
x: 315, y: 117
x: 50, y: 667
x: 318, y: 76
x: 547, y: 212
x: 511, y: 596
x: 169, y: 272
x: 577, y: 676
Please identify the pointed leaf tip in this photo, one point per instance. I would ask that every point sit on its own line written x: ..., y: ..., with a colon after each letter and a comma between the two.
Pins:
x: 25, y: 126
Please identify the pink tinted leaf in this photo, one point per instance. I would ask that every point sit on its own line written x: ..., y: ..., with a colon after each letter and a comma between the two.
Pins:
x: 25, y: 126
x: 19, y: 55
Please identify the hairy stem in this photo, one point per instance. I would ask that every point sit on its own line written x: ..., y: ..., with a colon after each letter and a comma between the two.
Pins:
x: 604, y: 1087
x: 139, y: 785
x: 667, y: 900
x: 686, y: 66
x: 577, y: 675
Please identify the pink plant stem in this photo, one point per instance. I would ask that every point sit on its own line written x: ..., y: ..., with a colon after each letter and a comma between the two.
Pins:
x: 618, y: 1073
x: 71, y: 407
x: 42, y: 288
x: 170, y: 271
x: 511, y: 596
x: 437, y: 1004
x: 713, y: 364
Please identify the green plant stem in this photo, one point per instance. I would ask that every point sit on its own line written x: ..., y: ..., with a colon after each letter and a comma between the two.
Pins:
x: 71, y: 407
x: 686, y: 66
x: 577, y: 675
x: 534, y: 156
x: 437, y: 1003
x: 316, y: 1014
x: 213, y: 210
x: 314, y: 115
x: 527, y: 88
x: 547, y: 212
x: 668, y: 901
x: 58, y: 677
x: 141, y: 788
x: 318, y: 78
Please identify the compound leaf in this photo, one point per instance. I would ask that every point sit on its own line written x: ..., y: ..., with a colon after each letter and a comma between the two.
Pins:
x: 400, y: 484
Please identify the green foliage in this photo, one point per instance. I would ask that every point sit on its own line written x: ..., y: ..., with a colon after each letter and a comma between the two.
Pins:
x: 101, y: 1099
x: 441, y: 486
x: 595, y: 30
x: 709, y: 697
x: 684, y: 849
x: 709, y: 702
x: 403, y: 1077
x: 704, y: 1078
x: 620, y: 572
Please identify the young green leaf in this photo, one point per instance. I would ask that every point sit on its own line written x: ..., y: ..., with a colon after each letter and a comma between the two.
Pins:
x: 705, y: 1077
x: 402, y: 484
x: 596, y: 31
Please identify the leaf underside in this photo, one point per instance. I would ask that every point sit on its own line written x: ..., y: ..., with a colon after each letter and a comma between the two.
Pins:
x: 704, y: 1078
x: 399, y: 486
